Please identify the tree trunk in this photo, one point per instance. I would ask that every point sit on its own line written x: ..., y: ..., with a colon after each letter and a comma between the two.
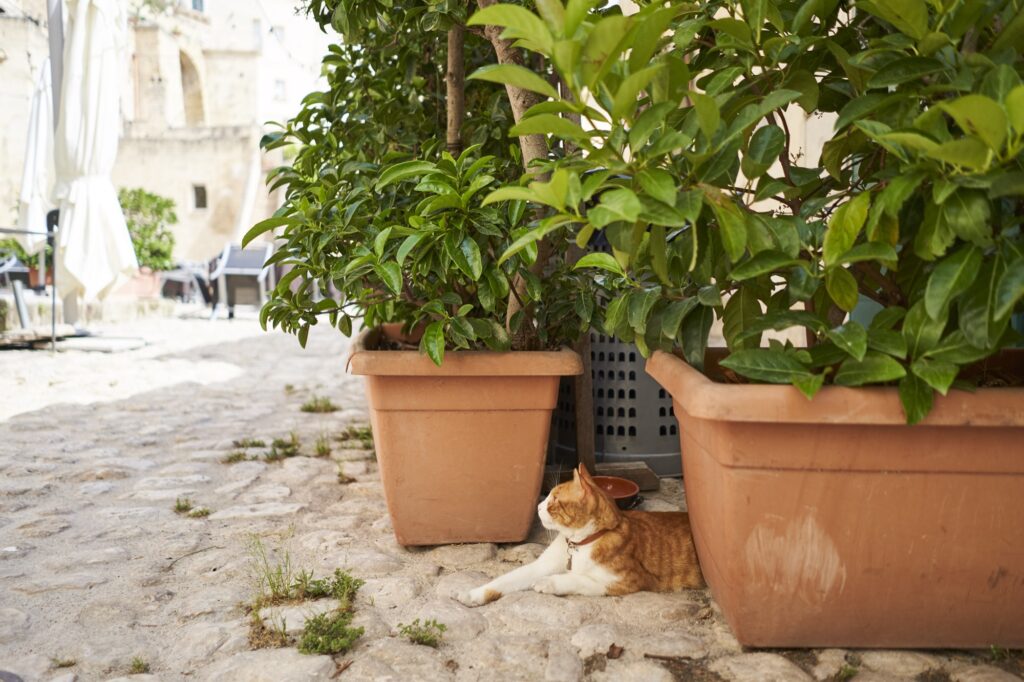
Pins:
x: 455, y: 81
x: 533, y: 147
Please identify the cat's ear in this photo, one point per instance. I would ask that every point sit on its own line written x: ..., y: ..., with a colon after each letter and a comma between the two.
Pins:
x: 582, y: 478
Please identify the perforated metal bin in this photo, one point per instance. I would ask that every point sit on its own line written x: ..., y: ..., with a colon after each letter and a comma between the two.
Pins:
x: 633, y: 416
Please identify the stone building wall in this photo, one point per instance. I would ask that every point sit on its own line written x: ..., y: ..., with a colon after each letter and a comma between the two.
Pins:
x: 198, y: 88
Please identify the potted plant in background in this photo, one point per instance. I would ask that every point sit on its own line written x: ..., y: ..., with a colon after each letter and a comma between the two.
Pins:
x: 384, y: 215
x: 871, y: 499
x: 149, y: 217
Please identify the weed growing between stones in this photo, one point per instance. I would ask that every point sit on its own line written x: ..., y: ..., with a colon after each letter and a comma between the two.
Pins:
x: 235, y: 457
x: 246, y: 443
x: 319, y: 405
x: 846, y: 672
x: 58, y: 662
x: 182, y: 505
x: 322, y: 448
x: 280, y: 448
x: 289, y: 389
x: 341, y: 586
x: 199, y: 513
x: 356, y: 437
x: 264, y: 636
x: 273, y: 581
x: 329, y: 633
x: 276, y: 582
x: 344, y: 478
x: 138, y: 666
x: 429, y: 633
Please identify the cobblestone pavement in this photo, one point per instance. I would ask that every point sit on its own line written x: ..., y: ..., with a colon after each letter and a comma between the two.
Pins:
x: 99, y: 577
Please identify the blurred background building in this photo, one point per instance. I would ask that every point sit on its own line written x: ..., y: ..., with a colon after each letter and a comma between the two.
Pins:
x: 201, y: 79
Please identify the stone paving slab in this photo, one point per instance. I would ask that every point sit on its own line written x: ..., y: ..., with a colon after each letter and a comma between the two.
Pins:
x: 96, y: 569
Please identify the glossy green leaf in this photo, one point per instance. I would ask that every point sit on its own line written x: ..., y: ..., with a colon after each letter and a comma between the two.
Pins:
x: 640, y: 305
x: 659, y: 184
x: 265, y: 226
x: 391, y: 274
x: 888, y: 342
x: 403, y: 171
x: 765, y: 364
x: 909, y: 16
x: 603, y: 261
x: 904, y: 70
x: 471, y: 252
x: 732, y: 227
x: 937, y: 374
x: 674, y: 315
x: 518, y: 23
x: 951, y: 277
x: 921, y: 331
x: 917, y: 398
x: 550, y: 124
x: 966, y: 152
x: 766, y: 144
x: 432, y: 342
x: 955, y: 348
x: 875, y: 368
x: 809, y: 384
x: 1015, y: 109
x: 741, y: 310
x: 979, y: 116
x: 408, y: 244
x: 1010, y: 289
x: 761, y: 264
x: 844, y: 226
x: 869, y: 251
x: 695, y: 329
x: 842, y: 287
x: 852, y: 338
x: 625, y: 101
x: 708, y: 115
x: 520, y: 77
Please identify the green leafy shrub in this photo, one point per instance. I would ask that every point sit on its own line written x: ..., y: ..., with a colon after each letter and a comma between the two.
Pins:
x: 688, y: 168
x: 376, y: 211
x: 149, y: 216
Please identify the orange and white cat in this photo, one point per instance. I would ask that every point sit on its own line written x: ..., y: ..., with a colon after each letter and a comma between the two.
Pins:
x: 601, y: 550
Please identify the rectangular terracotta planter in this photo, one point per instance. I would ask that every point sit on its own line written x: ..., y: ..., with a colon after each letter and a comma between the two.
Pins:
x: 832, y: 523
x: 461, y: 447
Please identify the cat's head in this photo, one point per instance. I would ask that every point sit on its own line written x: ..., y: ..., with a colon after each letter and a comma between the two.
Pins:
x: 578, y: 506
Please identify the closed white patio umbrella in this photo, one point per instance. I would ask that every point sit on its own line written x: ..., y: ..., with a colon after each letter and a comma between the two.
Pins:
x: 94, y: 246
x: 36, y: 196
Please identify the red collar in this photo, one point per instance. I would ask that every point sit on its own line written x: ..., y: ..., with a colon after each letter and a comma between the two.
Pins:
x: 587, y: 540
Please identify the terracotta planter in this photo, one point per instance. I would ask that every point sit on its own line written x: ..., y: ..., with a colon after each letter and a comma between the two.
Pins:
x: 145, y: 283
x: 832, y: 523
x: 33, y: 277
x: 461, y: 447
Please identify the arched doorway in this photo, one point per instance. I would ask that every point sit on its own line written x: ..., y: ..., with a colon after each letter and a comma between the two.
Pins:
x: 191, y: 91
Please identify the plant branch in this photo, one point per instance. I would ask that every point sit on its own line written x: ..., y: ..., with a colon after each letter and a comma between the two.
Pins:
x: 455, y: 84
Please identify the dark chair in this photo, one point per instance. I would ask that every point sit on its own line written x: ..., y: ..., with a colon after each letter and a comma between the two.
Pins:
x: 241, y: 277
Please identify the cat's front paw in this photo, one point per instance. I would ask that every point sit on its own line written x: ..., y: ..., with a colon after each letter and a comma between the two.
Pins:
x: 478, y: 596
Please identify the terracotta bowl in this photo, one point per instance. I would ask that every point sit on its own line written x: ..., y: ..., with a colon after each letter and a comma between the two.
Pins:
x: 622, y: 490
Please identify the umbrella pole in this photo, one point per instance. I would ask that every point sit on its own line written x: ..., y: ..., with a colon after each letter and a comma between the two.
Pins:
x: 55, y: 31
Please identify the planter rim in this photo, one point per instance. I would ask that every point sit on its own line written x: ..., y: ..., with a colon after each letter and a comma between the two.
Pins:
x: 362, y: 361
x: 703, y: 398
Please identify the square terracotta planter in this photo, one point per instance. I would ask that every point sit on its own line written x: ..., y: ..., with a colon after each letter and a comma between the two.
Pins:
x: 832, y: 523
x: 461, y: 447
